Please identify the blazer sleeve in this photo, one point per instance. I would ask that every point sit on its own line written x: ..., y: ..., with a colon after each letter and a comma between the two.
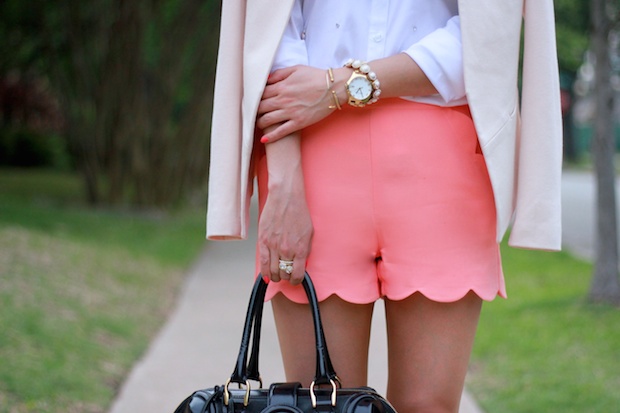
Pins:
x: 224, y: 219
x: 537, y: 217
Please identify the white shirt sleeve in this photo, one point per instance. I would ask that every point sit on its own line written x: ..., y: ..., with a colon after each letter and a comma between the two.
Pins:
x: 440, y: 56
x: 292, y: 50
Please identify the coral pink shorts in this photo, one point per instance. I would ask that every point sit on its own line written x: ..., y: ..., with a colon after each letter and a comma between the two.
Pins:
x: 401, y: 202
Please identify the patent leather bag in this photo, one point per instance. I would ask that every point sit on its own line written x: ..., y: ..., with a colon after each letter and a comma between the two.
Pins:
x: 324, y: 394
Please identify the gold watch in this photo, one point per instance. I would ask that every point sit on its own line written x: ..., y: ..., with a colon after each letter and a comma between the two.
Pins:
x: 363, y: 87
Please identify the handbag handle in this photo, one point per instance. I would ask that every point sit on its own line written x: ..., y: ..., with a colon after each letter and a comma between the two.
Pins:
x: 243, y: 372
x: 257, y: 317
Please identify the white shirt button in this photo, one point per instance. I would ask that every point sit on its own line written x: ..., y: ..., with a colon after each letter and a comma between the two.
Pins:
x: 378, y: 37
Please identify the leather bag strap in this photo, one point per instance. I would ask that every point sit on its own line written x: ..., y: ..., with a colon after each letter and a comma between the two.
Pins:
x: 243, y: 371
x: 240, y: 373
x: 253, y: 372
x: 283, y: 394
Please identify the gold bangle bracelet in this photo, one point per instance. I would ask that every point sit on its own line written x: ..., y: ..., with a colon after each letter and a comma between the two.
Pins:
x: 336, y: 101
x: 329, y: 78
x: 330, y: 72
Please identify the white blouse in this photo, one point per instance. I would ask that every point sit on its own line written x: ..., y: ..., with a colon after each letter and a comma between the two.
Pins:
x: 325, y: 33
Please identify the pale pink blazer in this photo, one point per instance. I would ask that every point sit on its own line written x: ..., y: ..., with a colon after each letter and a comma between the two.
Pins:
x: 523, y: 150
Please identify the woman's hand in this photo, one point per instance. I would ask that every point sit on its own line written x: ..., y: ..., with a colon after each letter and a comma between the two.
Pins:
x: 294, y: 98
x: 285, y: 227
x: 284, y: 232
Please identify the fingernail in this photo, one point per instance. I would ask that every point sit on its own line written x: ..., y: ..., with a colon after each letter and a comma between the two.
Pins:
x: 264, y: 139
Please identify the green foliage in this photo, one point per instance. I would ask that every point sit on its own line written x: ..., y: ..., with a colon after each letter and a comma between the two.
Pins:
x: 545, y: 349
x: 82, y: 291
x: 19, y: 49
x: 572, y: 32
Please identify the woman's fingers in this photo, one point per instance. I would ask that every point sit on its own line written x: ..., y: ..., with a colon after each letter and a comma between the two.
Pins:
x: 294, y: 98
x: 281, y: 263
x: 299, y: 269
x: 270, y: 119
x: 280, y: 74
x: 281, y: 131
x: 265, y: 263
x: 293, y: 268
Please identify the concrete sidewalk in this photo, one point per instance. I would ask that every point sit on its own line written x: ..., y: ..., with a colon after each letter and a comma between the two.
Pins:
x: 198, y: 345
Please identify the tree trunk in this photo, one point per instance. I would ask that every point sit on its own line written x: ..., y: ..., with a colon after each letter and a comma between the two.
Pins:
x: 75, y: 77
x: 605, y: 285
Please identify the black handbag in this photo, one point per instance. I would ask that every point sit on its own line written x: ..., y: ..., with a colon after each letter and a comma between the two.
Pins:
x: 282, y: 397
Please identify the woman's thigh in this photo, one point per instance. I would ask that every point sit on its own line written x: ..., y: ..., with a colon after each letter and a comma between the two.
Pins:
x: 429, y: 346
x: 347, y: 332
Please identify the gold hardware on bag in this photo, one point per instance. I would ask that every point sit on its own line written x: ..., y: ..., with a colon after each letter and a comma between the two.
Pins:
x: 313, y: 396
x: 246, y: 398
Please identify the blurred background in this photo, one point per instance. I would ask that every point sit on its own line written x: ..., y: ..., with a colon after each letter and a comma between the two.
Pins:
x: 104, y: 152
x: 117, y: 91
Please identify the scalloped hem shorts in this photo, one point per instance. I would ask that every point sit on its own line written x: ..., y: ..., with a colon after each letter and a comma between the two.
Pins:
x: 401, y: 202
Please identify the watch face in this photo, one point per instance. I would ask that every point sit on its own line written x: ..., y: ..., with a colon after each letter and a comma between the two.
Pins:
x: 360, y: 88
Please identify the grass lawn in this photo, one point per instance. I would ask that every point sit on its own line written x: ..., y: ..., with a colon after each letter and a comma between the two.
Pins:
x: 545, y: 349
x: 82, y: 291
